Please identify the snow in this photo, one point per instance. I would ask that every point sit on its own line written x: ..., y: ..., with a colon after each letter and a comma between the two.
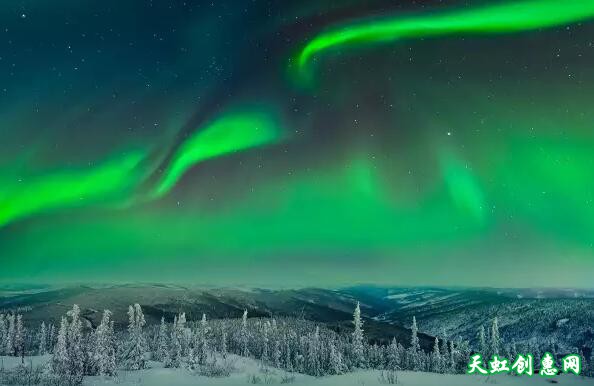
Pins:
x: 7, y: 362
x: 179, y: 377
x: 157, y: 375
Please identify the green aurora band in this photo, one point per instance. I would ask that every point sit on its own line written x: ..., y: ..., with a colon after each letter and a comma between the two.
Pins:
x: 112, y: 180
x: 116, y: 182
x: 227, y: 134
x: 501, y: 18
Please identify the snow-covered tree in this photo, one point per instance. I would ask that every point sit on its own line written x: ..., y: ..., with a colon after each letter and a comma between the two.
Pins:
x: 3, y: 334
x: 444, y: 347
x: 68, y: 358
x: 436, y: 361
x: 414, y: 351
x: 265, y: 343
x: 203, y: 342
x: 42, y: 339
x: 394, y: 356
x: 244, y: 337
x: 134, y: 356
x: 483, y: 350
x: 358, y: 347
x: 224, y: 342
x: 313, y: 353
x: 175, y: 350
x: 288, y: 359
x: 104, y: 350
x: 9, y: 340
x: 162, y: 342
x: 453, y: 357
x: 193, y: 360
x: 495, y: 338
x: 19, y: 337
x: 75, y: 344
x: 336, y: 363
x: 51, y: 337
x: 60, y: 358
x: 276, y: 354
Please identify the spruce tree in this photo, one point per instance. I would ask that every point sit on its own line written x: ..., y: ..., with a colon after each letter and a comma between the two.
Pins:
x: 483, y: 350
x: 414, y: 351
x: 136, y: 343
x: 174, y: 356
x: 42, y: 339
x: 162, y: 346
x: 204, y: 337
x: 265, y: 343
x: 224, y: 343
x: 336, y: 365
x: 436, y: 358
x: 3, y: 334
x: 19, y: 337
x: 60, y: 356
x: 51, y: 337
x: 495, y: 338
x: 75, y: 345
x: 104, y: 346
x: 288, y: 360
x: 394, y: 358
x: 243, y: 335
x: 9, y: 341
x: 358, y: 347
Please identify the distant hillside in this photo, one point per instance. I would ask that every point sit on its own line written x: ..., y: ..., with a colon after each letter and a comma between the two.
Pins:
x: 564, y: 317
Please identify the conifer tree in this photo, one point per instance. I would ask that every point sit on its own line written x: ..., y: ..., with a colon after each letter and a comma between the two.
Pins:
x: 483, y: 350
x: 175, y: 354
x: 51, y: 338
x: 162, y: 346
x: 203, y: 340
x: 224, y: 343
x: 243, y: 337
x: 336, y: 364
x: 60, y: 357
x: 42, y: 339
x: 19, y: 337
x: 495, y: 338
x: 394, y: 359
x: 265, y: 343
x: 3, y: 334
x: 9, y: 340
x: 452, y: 358
x: 104, y: 346
x: 436, y: 357
x: 134, y: 357
x: 288, y: 360
x: 414, y: 351
x: 75, y: 345
x: 358, y: 347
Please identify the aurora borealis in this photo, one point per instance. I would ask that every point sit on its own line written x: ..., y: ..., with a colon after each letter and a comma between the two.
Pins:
x: 180, y: 148
x: 495, y: 18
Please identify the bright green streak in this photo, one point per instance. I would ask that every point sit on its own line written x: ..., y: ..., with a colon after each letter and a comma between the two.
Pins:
x: 230, y: 133
x: 112, y: 180
x: 117, y: 181
x: 500, y: 18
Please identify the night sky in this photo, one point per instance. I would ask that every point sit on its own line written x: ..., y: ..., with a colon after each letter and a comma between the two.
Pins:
x: 297, y: 143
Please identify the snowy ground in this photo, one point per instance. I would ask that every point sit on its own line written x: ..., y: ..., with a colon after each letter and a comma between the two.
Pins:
x: 244, y: 369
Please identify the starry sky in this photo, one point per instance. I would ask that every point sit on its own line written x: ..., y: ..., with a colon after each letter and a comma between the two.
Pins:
x: 297, y: 143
